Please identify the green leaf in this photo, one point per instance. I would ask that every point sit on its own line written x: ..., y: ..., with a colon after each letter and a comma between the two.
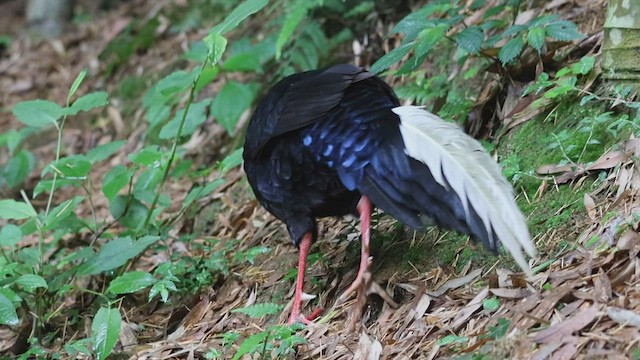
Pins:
x: 8, y: 314
x: 88, y: 102
x: 105, y: 331
x: 563, y: 30
x: 216, y: 44
x: 116, y: 179
x: 102, y: 152
x: 238, y: 14
x: 31, y: 282
x: 76, y: 84
x: 510, y: 50
x: 452, y: 339
x: 14, y: 210
x: 61, y: 212
x: 491, y: 304
x: 230, y: 161
x: 38, y: 113
x: 500, y: 330
x: 246, y: 62
x: 131, y: 282
x: 231, y: 102
x: 391, y: 58
x: 470, y: 39
x: 251, y: 344
x: 130, y: 212
x: 584, y: 66
x: 199, y: 192
x: 291, y: 22
x: 176, y: 82
x: 259, y: 310
x: 18, y: 168
x: 115, y: 253
x: 10, y: 235
x: 535, y: 38
x: 195, y: 117
x: 74, y: 167
x: 149, y: 156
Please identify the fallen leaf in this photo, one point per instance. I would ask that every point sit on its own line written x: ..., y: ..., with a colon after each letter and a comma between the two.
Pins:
x: 623, y: 316
x: 455, y: 283
x: 568, y: 326
x: 590, y: 205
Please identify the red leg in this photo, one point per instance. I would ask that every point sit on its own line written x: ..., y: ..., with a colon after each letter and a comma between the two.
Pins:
x: 296, y: 309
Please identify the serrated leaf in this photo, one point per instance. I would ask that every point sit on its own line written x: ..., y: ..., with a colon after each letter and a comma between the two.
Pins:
x: 115, y: 253
x: 15, y: 210
x: 88, y: 102
x: 238, y: 14
x: 470, y: 39
x: 259, y: 310
x: 291, y: 22
x: 511, y: 50
x: 105, y: 330
x: 8, y: 314
x: 231, y: 102
x: 535, y: 38
x: 116, y: 179
x: 38, y: 113
x: 195, y: 117
x: 131, y: 282
x: 584, y: 66
x: 10, y: 235
x: 563, y: 30
x: 31, y: 282
x: 102, y: 152
x: 391, y: 58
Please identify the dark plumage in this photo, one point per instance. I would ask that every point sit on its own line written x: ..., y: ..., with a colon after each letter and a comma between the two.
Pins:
x: 325, y: 142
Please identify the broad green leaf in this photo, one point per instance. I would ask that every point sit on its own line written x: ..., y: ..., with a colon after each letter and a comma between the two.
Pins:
x: 247, y: 62
x: 231, y: 102
x: 147, y: 181
x: 500, y: 330
x: 74, y: 167
x: 102, y: 152
x: 31, y: 282
x: 131, y: 282
x: 563, y: 30
x: 76, y: 84
x: 584, y: 66
x: 491, y: 304
x: 149, y: 156
x: 391, y: 58
x: 291, y: 22
x: 238, y: 14
x: 115, y: 253
x: 105, y: 330
x: 116, y: 179
x: 10, y: 294
x: 15, y: 210
x: 130, y: 212
x: 535, y: 38
x: 10, y: 235
x: 18, y: 168
x: 259, y: 310
x: 176, y: 82
x: 195, y: 117
x: 470, y: 39
x: 38, y: 113
x: 217, y: 44
x: 45, y: 185
x: 199, y: 192
x: 230, y: 161
x: 511, y: 50
x: 8, y: 314
x: 88, y: 102
x: 60, y: 212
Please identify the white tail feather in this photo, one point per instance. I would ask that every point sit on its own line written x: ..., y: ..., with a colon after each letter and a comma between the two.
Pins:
x: 459, y: 162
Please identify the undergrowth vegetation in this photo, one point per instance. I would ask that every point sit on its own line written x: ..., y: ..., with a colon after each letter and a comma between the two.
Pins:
x: 575, y: 128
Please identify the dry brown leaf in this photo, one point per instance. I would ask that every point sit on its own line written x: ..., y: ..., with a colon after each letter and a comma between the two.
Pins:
x: 368, y: 349
x: 623, y: 316
x: 590, y: 205
x: 568, y: 326
x: 511, y: 293
x: 456, y: 283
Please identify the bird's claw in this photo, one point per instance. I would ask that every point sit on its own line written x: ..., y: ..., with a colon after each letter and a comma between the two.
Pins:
x: 297, y: 317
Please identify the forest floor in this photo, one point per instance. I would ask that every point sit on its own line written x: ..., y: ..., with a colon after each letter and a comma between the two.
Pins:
x: 583, y: 301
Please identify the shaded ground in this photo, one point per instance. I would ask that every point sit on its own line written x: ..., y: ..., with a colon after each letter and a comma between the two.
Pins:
x: 583, y: 302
